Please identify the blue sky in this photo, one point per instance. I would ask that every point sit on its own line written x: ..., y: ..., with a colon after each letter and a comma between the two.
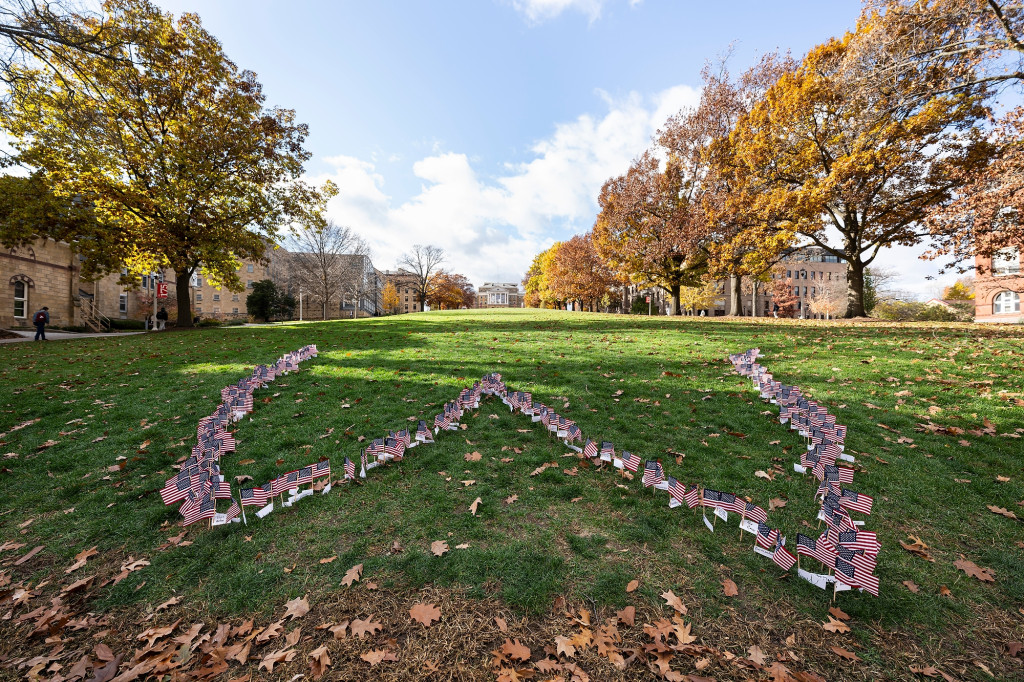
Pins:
x: 488, y: 126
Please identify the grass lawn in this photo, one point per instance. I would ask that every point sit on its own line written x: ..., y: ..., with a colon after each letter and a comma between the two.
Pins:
x: 935, y: 416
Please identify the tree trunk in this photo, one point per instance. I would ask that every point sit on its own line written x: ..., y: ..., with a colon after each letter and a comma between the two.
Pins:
x: 854, y: 287
x: 674, y: 305
x: 182, y: 283
x: 735, y: 302
x: 753, y: 298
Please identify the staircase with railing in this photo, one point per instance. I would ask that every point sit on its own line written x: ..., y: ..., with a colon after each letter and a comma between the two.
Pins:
x: 92, y: 317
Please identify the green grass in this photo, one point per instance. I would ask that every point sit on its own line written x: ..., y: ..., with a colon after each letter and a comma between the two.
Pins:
x: 374, y: 374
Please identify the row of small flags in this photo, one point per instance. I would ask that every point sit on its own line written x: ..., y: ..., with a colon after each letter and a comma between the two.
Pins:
x: 845, y: 549
x: 199, y: 483
x: 842, y: 548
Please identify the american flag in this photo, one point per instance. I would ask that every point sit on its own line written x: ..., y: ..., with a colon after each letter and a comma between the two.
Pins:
x: 766, y: 536
x: 393, y: 447
x: 845, y: 571
x: 376, y: 447
x: 607, y: 449
x: 573, y: 433
x: 233, y: 511
x: 222, y: 490
x: 423, y: 432
x: 692, y: 496
x: 304, y: 475
x: 443, y: 420
x: 754, y: 512
x: 322, y: 468
x: 866, y: 579
x: 630, y: 461
x: 710, y: 498
x: 676, y: 489
x: 177, y: 488
x: 257, y: 497
x: 857, y: 557
x: 590, y: 448
x: 858, y: 539
x: 350, y: 468
x: 653, y: 474
x: 821, y: 549
x: 781, y: 556
x: 856, y: 501
x: 730, y: 502
x: 204, y: 508
x: 289, y: 481
x: 838, y: 520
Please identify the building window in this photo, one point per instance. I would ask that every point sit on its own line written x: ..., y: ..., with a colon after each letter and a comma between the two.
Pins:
x: 234, y: 310
x: 122, y: 304
x: 796, y: 291
x: 248, y: 284
x: 234, y: 297
x: 805, y: 291
x: 812, y: 274
x: 248, y: 268
x: 1006, y: 302
x: 20, y: 299
x: 199, y: 297
x: 1006, y: 262
x: 497, y: 298
x: 789, y: 274
x: 199, y: 308
x: 216, y: 297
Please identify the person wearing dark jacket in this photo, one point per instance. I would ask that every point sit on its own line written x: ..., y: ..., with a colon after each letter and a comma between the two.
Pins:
x: 40, y: 320
x: 161, y: 319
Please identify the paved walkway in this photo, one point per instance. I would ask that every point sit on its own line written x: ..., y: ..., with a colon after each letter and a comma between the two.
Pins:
x: 61, y: 336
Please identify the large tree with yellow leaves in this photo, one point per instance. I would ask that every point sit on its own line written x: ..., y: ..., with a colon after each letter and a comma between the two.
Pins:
x: 169, y: 142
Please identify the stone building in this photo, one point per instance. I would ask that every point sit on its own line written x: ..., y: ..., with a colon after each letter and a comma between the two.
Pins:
x: 499, y: 295
x: 807, y: 267
x: 45, y: 273
x: 999, y: 287
x: 406, y: 285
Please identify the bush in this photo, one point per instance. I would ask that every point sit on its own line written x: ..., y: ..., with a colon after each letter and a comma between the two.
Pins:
x: 640, y: 306
x: 209, y: 322
x: 127, y: 324
x: 234, y: 321
x: 912, y: 311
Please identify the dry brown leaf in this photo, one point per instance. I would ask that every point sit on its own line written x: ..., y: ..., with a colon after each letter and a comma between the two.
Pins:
x: 328, y: 559
x: 81, y: 558
x: 364, y: 627
x: 500, y: 622
x: 438, y: 547
x: 296, y: 608
x: 319, y: 661
x: 755, y: 654
x: 627, y: 616
x: 339, y: 630
x: 834, y: 625
x: 633, y: 584
x: 839, y: 613
x: 515, y: 650
x: 167, y: 604
x: 776, y: 503
x: 377, y: 655
x: 912, y: 586
x: 272, y: 659
x: 473, y: 507
x: 564, y: 646
x: 292, y: 638
x: 1002, y: 512
x: 271, y: 631
x: 511, y: 498
x: 675, y: 602
x: 975, y: 571
x: 425, y: 613
x: 848, y: 655
x: 352, y: 575
x: 729, y: 588
x: 917, y: 547
x: 472, y: 456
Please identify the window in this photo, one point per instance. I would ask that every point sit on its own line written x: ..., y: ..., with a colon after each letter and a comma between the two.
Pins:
x: 20, y: 300
x: 216, y: 297
x: 216, y: 310
x: 1006, y: 262
x: 248, y: 268
x: 789, y: 274
x: 796, y: 291
x: 813, y: 290
x: 199, y: 297
x: 499, y: 298
x: 805, y: 291
x: 122, y: 304
x: 234, y: 310
x: 234, y: 297
x: 1006, y: 302
x: 145, y: 282
x: 248, y: 284
x: 812, y: 274
x: 199, y: 308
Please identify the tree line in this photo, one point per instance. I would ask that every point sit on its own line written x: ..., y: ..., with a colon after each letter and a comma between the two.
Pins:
x: 890, y: 134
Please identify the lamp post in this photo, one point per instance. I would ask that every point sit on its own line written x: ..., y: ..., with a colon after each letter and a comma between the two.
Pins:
x: 300, y: 303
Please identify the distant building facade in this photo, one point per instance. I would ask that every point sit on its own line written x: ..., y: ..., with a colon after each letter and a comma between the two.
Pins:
x: 406, y: 284
x: 999, y: 287
x: 808, y: 268
x: 499, y: 295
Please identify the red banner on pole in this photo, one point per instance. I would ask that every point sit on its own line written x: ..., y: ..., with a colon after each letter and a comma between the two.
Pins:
x: 161, y: 290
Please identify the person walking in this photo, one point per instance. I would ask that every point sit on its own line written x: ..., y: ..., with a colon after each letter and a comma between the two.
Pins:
x: 40, y: 320
x: 161, y: 319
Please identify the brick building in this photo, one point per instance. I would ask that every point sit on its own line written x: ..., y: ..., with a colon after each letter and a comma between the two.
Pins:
x: 499, y: 295
x: 999, y: 287
x: 808, y: 267
x: 406, y: 285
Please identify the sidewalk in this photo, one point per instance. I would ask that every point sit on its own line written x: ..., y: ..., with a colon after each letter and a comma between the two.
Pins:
x: 61, y: 336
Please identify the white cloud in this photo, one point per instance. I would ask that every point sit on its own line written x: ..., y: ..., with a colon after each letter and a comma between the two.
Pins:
x: 538, y: 11
x: 491, y: 227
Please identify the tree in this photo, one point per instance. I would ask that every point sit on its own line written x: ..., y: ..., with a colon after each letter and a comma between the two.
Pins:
x: 389, y: 298
x: 827, y: 298
x: 422, y: 262
x: 167, y: 140
x: 648, y: 231
x: 868, y: 159
x: 267, y: 301
x: 701, y: 297
x: 780, y: 289
x: 537, y: 281
x: 961, y: 290
x: 450, y: 291
x: 578, y: 274
x: 318, y: 260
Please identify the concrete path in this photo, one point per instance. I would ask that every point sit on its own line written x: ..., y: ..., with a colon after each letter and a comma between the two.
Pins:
x: 62, y: 336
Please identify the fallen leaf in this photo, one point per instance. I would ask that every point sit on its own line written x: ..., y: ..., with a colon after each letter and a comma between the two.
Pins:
x: 84, y: 556
x: 296, y: 608
x: 627, y: 616
x: 364, y: 627
x: 500, y: 622
x: 729, y: 588
x: 564, y: 646
x: 675, y: 602
x: 776, y: 503
x: 834, y: 625
x: 439, y: 547
x: 472, y: 507
x: 377, y: 655
x: 633, y: 584
x: 755, y: 654
x: 352, y: 575
x: 764, y: 474
x: 511, y: 498
x: 271, y: 631
x: 975, y: 571
x: 848, y: 655
x: 917, y: 547
x: 1002, y: 512
x: 425, y: 613
x: 272, y: 659
x: 944, y: 591
x: 170, y: 602
x: 912, y: 586
x: 319, y: 661
x: 472, y: 456
x: 515, y: 650
x: 839, y: 613
x: 328, y: 559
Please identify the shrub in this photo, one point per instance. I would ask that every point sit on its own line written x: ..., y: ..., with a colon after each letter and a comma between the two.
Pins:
x: 234, y: 321
x: 639, y: 306
x: 209, y: 322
